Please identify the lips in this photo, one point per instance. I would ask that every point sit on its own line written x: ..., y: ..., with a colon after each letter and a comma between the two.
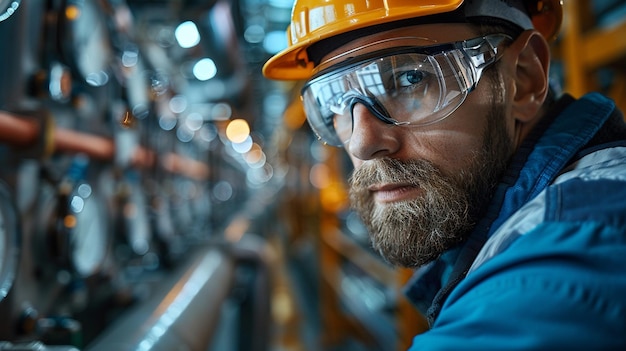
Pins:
x: 388, y: 193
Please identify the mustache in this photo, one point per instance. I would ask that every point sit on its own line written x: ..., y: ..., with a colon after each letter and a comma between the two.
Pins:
x: 388, y: 170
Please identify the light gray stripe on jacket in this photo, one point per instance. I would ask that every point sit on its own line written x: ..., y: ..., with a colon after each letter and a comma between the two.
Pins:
x: 607, y: 164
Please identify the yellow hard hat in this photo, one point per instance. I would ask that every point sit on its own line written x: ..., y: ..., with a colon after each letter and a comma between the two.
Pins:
x: 316, y: 20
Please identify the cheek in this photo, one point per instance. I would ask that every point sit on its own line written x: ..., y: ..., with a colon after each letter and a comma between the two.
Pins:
x: 451, y: 150
x: 452, y: 144
x: 455, y: 142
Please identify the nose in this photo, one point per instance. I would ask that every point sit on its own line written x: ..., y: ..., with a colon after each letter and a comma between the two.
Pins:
x: 371, y: 138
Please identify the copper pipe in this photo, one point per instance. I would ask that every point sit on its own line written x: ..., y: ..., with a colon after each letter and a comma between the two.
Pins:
x: 177, y: 164
x: 18, y: 131
x: 143, y: 157
x: 71, y: 141
x: 24, y: 132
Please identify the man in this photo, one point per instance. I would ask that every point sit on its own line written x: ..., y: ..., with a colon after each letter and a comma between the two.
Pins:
x: 509, y: 202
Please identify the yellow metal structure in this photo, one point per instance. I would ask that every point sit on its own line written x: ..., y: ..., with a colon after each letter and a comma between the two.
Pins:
x: 585, y: 48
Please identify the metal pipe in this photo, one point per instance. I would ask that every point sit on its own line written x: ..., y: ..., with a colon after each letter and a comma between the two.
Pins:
x: 25, y: 132
x: 18, y: 131
x: 183, y: 313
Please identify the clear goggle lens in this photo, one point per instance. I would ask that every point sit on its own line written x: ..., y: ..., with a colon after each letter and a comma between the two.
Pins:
x: 403, y: 86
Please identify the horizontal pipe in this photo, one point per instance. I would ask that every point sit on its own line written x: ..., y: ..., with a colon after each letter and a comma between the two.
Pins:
x: 75, y: 142
x: 18, y: 131
x: 25, y: 132
x: 182, y: 315
x: 177, y: 164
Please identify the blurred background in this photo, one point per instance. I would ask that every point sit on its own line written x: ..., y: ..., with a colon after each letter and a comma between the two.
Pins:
x: 157, y: 193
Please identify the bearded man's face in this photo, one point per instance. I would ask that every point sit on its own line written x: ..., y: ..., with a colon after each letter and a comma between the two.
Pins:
x: 418, y: 230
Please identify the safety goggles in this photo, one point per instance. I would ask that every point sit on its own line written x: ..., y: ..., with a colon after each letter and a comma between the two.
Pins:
x: 404, y: 84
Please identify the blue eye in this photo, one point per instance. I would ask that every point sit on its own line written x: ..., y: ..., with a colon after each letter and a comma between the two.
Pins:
x: 409, y: 78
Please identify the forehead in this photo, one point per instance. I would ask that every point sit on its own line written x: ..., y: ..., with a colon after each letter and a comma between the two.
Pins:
x: 430, y: 33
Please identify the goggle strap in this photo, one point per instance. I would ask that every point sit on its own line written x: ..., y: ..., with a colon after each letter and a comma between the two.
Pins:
x: 484, y: 51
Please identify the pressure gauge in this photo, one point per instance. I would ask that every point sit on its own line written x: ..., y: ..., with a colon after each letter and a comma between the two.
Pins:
x: 136, y: 214
x: 85, y: 41
x: 75, y: 235
x: 133, y: 228
x: 9, y: 240
x: 88, y: 230
x: 7, y: 8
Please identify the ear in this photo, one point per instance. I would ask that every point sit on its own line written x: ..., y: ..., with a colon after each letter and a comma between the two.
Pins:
x: 531, y: 58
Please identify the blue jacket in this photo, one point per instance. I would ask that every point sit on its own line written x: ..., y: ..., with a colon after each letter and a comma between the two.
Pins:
x: 545, y: 269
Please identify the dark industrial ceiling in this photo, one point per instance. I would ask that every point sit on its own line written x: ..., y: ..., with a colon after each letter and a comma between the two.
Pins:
x: 237, y: 35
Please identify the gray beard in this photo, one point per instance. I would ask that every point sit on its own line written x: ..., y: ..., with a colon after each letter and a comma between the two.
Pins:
x: 415, y: 232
